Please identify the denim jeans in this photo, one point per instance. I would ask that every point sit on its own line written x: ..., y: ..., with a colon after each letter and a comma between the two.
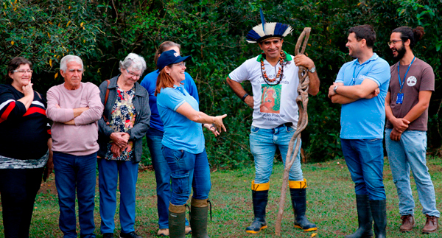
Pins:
x: 263, y: 144
x: 18, y: 188
x: 188, y: 171
x: 365, y: 161
x: 109, y: 171
x: 76, y: 173
x: 162, y: 176
x: 410, y: 152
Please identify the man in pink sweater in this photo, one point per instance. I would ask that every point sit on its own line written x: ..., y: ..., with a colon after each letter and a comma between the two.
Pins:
x: 75, y: 108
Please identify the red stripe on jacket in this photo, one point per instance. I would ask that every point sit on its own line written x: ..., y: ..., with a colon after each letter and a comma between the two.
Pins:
x: 32, y: 110
x: 8, y: 110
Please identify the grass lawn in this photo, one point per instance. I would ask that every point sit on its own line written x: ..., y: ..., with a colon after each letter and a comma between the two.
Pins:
x: 331, y: 204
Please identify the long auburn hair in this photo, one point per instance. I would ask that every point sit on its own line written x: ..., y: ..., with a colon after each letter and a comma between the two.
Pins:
x: 164, y: 80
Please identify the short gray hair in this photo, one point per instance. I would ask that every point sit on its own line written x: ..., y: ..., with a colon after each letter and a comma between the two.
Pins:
x: 135, y: 61
x: 69, y: 58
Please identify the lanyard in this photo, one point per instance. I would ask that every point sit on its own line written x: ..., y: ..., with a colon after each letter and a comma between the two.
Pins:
x: 405, y: 76
x: 353, y: 81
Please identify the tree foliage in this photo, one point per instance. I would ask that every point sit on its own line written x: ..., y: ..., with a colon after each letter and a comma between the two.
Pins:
x: 103, y: 32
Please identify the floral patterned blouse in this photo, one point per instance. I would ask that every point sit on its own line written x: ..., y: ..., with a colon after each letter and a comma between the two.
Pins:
x: 122, y: 119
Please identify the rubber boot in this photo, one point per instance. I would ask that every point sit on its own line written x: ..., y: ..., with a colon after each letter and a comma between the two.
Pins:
x: 177, y: 215
x: 198, y: 218
x: 260, y: 194
x: 298, y: 190
x: 364, y: 218
x: 379, y: 214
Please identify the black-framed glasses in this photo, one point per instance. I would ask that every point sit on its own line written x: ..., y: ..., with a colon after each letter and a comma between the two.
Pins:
x: 393, y: 42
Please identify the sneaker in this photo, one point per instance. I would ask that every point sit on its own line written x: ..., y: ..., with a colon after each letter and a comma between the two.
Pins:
x: 431, y: 225
x: 163, y: 232
x: 129, y: 235
x: 407, y: 223
x: 108, y: 235
x: 188, y: 230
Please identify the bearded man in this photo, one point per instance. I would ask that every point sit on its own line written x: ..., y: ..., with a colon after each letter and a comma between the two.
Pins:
x: 406, y: 107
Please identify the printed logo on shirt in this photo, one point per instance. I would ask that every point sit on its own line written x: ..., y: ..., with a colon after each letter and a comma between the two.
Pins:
x: 411, y: 81
x: 270, y: 98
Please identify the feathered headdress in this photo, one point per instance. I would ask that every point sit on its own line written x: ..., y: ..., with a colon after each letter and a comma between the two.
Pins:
x: 267, y: 30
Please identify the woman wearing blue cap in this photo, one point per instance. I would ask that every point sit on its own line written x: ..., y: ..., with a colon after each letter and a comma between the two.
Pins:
x: 183, y: 145
x: 154, y: 136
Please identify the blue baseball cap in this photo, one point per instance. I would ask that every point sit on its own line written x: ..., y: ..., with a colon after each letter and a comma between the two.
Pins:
x: 170, y: 57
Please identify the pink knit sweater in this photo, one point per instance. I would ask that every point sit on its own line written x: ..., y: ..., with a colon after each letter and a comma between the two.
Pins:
x: 79, y: 139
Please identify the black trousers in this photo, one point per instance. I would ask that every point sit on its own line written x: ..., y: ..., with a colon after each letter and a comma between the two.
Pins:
x: 18, y: 188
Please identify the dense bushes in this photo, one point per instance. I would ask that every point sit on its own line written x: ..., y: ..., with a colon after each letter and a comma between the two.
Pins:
x: 212, y: 31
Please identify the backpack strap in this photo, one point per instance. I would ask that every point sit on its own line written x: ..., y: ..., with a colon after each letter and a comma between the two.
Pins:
x: 106, y: 97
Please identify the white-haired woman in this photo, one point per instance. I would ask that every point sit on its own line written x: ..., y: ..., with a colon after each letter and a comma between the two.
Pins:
x: 121, y: 129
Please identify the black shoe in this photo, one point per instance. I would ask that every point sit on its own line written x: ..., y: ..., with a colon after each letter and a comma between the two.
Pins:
x: 364, y: 218
x: 299, y: 202
x: 108, y: 235
x: 129, y: 235
x: 259, y: 209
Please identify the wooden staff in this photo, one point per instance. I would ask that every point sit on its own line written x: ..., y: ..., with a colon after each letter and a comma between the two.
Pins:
x: 302, y: 101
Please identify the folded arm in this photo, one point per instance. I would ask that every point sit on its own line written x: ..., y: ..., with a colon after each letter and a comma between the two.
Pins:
x: 94, y: 111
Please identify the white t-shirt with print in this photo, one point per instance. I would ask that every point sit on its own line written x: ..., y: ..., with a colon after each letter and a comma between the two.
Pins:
x: 274, y: 104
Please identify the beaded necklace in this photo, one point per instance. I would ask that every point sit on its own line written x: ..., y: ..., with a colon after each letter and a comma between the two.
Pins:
x: 278, y: 75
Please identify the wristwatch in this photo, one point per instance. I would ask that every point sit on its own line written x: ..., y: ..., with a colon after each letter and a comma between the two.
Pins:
x: 244, y: 97
x: 312, y: 70
x: 334, y: 89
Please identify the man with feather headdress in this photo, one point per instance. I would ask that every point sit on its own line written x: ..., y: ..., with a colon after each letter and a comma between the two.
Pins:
x: 274, y: 78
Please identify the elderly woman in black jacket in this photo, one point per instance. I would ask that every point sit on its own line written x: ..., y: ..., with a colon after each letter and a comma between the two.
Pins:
x: 24, y: 147
x: 121, y: 129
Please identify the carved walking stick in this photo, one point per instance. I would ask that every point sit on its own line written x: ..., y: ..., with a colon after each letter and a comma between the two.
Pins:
x: 302, y: 101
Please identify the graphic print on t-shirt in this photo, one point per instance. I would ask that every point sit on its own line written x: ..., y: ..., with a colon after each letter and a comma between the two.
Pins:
x: 411, y: 81
x: 270, y: 99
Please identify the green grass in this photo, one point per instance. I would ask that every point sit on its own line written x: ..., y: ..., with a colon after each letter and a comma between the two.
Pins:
x: 331, y: 204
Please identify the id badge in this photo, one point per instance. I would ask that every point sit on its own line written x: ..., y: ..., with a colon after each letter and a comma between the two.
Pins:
x: 400, y: 98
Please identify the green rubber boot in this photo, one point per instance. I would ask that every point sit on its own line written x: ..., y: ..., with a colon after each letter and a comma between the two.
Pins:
x: 198, y: 218
x: 177, y: 215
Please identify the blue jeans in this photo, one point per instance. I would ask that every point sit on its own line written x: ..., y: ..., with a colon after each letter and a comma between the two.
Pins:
x: 76, y: 173
x: 263, y: 144
x: 188, y: 171
x: 162, y: 176
x: 410, y: 152
x: 365, y: 161
x: 109, y: 171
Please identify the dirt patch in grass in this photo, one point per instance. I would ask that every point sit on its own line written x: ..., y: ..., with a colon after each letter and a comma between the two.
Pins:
x: 48, y: 187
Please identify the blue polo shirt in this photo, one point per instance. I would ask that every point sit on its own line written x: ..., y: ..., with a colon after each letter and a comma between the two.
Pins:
x: 180, y: 133
x: 364, y: 118
x: 149, y: 83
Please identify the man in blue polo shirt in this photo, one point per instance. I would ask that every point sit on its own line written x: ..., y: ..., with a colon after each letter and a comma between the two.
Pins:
x: 361, y: 87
